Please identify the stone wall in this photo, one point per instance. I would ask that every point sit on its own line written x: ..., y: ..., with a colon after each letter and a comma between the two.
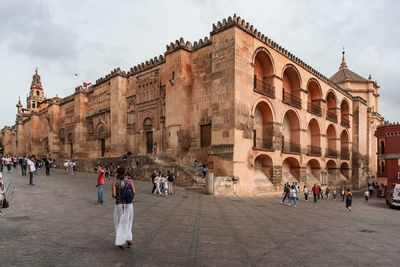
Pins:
x: 140, y: 167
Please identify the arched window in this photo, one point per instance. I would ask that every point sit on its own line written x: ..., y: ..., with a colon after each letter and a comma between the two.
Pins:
x: 263, y: 74
x: 37, y: 93
x: 382, y: 147
x: 382, y: 167
x: 331, y: 107
x: 291, y: 87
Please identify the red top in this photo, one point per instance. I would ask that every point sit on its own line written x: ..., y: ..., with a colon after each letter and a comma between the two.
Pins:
x: 315, y: 189
x: 100, y: 178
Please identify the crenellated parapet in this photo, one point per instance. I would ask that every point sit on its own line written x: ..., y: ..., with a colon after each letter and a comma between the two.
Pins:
x: 146, y: 65
x: 67, y: 99
x: 179, y: 44
x: 247, y: 27
x: 187, y: 45
x: 201, y: 43
x: 114, y: 73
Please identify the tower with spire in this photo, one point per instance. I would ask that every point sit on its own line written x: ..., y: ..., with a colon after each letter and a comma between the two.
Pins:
x: 36, y: 93
x: 356, y: 84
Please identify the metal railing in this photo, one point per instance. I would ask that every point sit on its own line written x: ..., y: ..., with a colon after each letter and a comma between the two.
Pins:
x: 264, y: 88
x: 331, y: 153
x: 345, y: 122
x: 345, y: 154
x: 291, y: 99
x: 314, y: 151
x: 265, y: 144
x: 314, y: 109
x: 291, y: 147
x: 331, y: 116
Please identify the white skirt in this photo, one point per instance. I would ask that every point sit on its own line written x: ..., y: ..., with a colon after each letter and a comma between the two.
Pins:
x: 123, y: 221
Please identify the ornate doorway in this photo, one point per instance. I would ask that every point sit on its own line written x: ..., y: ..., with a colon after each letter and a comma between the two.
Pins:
x: 148, y: 128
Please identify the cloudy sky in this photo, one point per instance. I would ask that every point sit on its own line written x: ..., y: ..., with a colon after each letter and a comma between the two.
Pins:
x: 92, y: 37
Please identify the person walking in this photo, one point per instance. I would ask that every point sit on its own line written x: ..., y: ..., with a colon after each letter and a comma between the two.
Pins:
x: 8, y: 163
x: 171, y: 180
x: 327, y: 192
x: 123, y: 191
x: 24, y: 165
x: 370, y: 189
x: 349, y: 199
x: 293, y: 195
x: 321, y: 191
x: 47, y: 166
x: 286, y: 191
x: 31, y: 169
x: 306, y: 192
x: 66, y: 165
x: 334, y: 193
x: 100, y: 184
x: 204, y: 170
x: 315, y: 192
x: 157, y: 182
x: 343, y: 193
x: 153, y: 180
x: 163, y: 181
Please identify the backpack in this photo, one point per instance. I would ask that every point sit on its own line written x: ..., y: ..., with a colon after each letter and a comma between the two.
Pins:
x: 171, y: 177
x: 127, y: 193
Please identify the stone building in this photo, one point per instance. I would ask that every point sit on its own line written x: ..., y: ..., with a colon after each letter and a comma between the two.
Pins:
x: 388, y: 141
x: 256, y: 114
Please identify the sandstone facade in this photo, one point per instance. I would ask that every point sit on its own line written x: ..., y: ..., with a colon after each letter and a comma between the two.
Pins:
x: 257, y: 115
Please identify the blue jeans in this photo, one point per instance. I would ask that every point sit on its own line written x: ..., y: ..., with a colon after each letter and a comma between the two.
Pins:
x: 30, y: 177
x: 100, y: 193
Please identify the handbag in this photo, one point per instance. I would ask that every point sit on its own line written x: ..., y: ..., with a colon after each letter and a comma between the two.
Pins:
x: 5, y: 204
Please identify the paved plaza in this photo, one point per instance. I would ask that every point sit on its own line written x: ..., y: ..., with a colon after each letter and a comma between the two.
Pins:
x: 58, y: 223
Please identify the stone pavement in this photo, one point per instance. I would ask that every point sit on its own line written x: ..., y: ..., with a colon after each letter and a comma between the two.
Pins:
x: 58, y: 223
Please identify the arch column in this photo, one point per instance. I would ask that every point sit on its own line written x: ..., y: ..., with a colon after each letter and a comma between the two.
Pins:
x: 276, y: 175
x: 303, y: 175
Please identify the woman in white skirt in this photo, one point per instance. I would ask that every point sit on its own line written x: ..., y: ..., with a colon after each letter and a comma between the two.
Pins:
x: 122, y: 187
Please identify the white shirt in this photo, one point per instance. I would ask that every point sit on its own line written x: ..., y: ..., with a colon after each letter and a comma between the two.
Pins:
x: 31, y: 165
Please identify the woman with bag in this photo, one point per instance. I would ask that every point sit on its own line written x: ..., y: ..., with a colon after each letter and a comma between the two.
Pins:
x: 123, y: 191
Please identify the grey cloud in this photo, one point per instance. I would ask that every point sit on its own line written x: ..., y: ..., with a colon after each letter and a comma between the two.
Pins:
x: 91, y: 37
x: 27, y: 27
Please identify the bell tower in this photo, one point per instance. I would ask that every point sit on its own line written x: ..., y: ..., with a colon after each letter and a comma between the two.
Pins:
x: 36, y: 94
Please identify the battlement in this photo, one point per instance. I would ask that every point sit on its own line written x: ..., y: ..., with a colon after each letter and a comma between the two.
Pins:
x: 114, y: 73
x: 67, y: 99
x: 146, y: 65
x: 247, y: 27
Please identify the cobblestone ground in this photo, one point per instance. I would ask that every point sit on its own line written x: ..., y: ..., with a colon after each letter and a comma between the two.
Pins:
x: 58, y: 223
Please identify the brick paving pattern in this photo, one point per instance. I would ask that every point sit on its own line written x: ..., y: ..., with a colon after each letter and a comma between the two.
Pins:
x: 58, y: 223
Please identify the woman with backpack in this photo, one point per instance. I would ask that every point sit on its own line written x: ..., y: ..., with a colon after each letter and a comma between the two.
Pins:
x: 123, y: 191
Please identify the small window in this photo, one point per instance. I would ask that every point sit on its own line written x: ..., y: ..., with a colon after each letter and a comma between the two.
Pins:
x: 382, y: 147
x: 205, y: 135
x: 37, y: 93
